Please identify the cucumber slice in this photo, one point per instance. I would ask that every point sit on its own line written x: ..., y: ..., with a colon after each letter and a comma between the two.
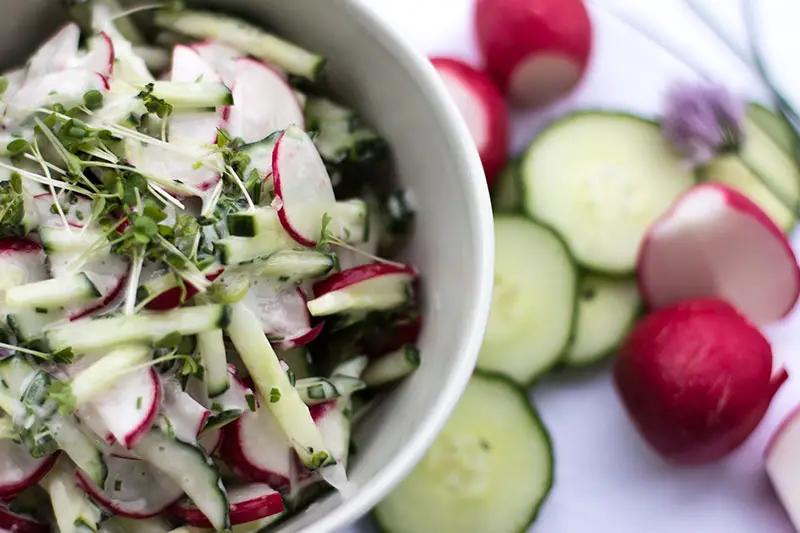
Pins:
x: 53, y: 293
x: 777, y: 170
x: 211, y: 348
x: 272, y: 238
x: 292, y: 266
x: 88, y: 335
x: 607, y: 309
x: 82, y: 449
x: 29, y: 324
x: 73, y: 510
x: 490, y: 469
x: 341, y: 135
x: 314, y: 391
x: 348, y: 222
x: 192, y: 95
x: 192, y: 470
x: 775, y: 126
x: 731, y: 171
x: 507, y: 191
x: 600, y: 180
x: 245, y: 37
x: 392, y: 367
x: 533, y: 306
x: 63, y: 240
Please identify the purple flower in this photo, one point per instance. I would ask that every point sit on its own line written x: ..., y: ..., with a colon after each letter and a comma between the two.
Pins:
x: 701, y: 121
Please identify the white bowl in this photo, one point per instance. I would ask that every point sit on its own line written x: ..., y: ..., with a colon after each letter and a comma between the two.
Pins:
x: 397, y: 90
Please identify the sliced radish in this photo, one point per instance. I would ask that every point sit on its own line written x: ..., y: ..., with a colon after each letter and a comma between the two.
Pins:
x: 255, y: 448
x: 91, y: 419
x: 347, y: 278
x: 335, y: 428
x: 186, y: 416
x: 211, y: 440
x: 715, y: 242
x: 188, y: 66
x: 57, y: 53
x: 12, y: 522
x: 262, y: 102
x: 282, y: 310
x: 292, y: 342
x: 130, y: 408
x: 21, y: 261
x: 108, y: 274
x: 173, y: 297
x: 65, y: 87
x: 536, y: 52
x: 782, y: 464
x: 199, y: 126
x: 133, y: 488
x: 221, y: 57
x: 100, y: 57
x: 184, y: 169
x: 248, y: 504
x: 18, y: 470
x: 302, y: 186
x: 484, y: 110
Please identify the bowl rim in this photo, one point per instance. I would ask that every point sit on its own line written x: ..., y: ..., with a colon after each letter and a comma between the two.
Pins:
x: 447, y: 114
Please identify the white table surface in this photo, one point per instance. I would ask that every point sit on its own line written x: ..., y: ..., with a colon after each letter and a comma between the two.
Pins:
x: 606, y: 480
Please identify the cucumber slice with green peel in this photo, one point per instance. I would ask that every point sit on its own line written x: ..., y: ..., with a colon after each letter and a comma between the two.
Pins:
x: 192, y: 470
x: 600, y: 180
x: 82, y: 449
x: 731, y: 171
x: 506, y: 193
x: 607, y: 309
x: 490, y: 469
x: 88, y: 335
x: 372, y: 287
x: 245, y: 37
x: 314, y: 391
x: 29, y: 324
x: 775, y: 126
x: 192, y: 95
x: 774, y: 167
x: 61, y: 239
x: 272, y: 238
x: 211, y: 348
x: 292, y: 266
x: 53, y: 293
x: 341, y: 136
x: 349, y: 221
x: 392, y: 367
x: 532, y: 317
x: 271, y: 381
x: 73, y: 510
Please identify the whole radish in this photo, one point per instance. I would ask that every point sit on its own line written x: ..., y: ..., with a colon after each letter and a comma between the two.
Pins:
x: 536, y: 50
x: 696, y: 378
x: 484, y: 110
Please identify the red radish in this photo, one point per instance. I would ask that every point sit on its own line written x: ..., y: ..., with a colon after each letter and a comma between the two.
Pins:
x: 16, y: 523
x: 302, y: 185
x: 108, y: 274
x: 281, y: 310
x: 100, y: 57
x: 221, y: 57
x: 248, y: 504
x: 262, y: 102
x: 211, y: 440
x: 174, y: 297
x: 536, y: 50
x: 186, y: 416
x: 290, y: 343
x: 18, y: 470
x: 484, y: 110
x: 696, y: 379
x: 133, y: 488
x: 782, y: 463
x: 130, y: 409
x: 346, y: 278
x: 188, y: 66
x: 715, y: 242
x: 256, y: 449
x: 22, y: 261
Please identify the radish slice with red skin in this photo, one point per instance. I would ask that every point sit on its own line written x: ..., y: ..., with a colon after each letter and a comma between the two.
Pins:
x: 221, y: 57
x: 25, y: 255
x: 187, y: 417
x: 782, y: 464
x: 715, y: 242
x: 484, y: 110
x: 282, y: 310
x: 188, y: 66
x: 262, y: 102
x: 300, y: 340
x: 351, y: 276
x: 16, y: 523
x: 100, y: 57
x: 248, y: 504
x: 171, y: 298
x: 18, y: 470
x: 133, y: 488
x: 256, y: 449
x: 300, y: 177
x: 108, y: 274
x: 536, y: 51
x: 211, y: 440
x: 57, y: 53
x: 130, y: 409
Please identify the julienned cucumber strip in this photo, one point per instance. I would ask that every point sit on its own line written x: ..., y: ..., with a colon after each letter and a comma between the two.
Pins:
x: 244, y: 37
x: 341, y: 136
x: 377, y: 294
x: 104, y: 373
x: 607, y: 309
x: 272, y: 238
x: 211, y: 348
x: 533, y: 304
x: 74, y: 512
x: 494, y: 443
x: 88, y: 335
x: 29, y: 324
x: 292, y: 266
x: 316, y: 390
x: 775, y: 126
x: 600, y: 180
x: 271, y: 381
x: 193, y: 95
x: 731, y: 171
x: 53, y: 293
x: 82, y: 449
x: 61, y: 239
x: 192, y: 470
x: 392, y: 367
